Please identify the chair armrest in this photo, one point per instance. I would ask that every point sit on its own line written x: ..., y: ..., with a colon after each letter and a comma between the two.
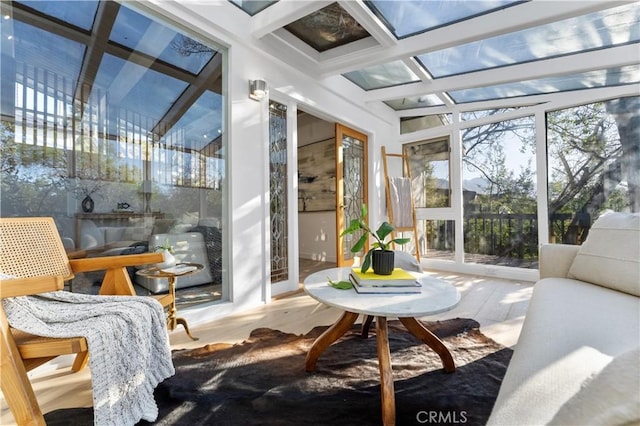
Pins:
x: 112, y: 262
x: 556, y: 259
x: 33, y: 285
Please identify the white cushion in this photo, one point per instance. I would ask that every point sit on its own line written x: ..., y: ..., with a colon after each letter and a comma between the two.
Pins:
x: 113, y: 233
x: 610, y: 256
x: 611, y: 397
x: 572, y: 330
x: 139, y: 229
x: 90, y: 235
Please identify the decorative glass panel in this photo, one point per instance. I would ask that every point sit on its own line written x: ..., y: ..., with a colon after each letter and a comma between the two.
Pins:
x: 408, y: 17
x: 414, y: 102
x: 413, y: 124
x: 379, y: 76
x: 607, y: 28
x: 587, y: 80
x: 430, y: 170
x: 278, y: 180
x: 353, y: 177
x: 327, y: 28
x: 499, y: 194
x: 593, y: 165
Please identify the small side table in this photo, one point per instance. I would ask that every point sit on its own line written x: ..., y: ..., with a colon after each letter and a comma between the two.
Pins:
x: 171, y: 274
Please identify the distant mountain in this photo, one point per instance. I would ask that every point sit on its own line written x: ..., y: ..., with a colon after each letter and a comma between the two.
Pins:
x: 478, y: 185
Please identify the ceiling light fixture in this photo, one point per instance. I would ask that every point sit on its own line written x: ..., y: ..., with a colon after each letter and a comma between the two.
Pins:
x: 257, y: 89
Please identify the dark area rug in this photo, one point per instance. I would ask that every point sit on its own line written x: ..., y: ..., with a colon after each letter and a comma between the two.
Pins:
x: 262, y: 381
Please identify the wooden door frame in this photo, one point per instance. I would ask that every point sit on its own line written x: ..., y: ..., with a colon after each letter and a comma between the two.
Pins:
x: 342, y: 131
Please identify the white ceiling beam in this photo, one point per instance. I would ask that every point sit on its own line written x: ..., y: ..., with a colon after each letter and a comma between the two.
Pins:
x: 369, y: 21
x: 525, y: 15
x: 582, y: 62
x: 576, y: 97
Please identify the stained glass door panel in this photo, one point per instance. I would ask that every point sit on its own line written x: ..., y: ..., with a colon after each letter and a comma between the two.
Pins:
x: 351, y: 171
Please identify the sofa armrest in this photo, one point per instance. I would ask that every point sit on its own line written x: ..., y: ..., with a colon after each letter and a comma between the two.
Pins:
x: 556, y: 259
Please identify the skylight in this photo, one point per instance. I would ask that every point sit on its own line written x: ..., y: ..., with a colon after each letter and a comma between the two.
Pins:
x: 78, y: 13
x: 137, y: 32
x: 587, y: 80
x: 327, y: 28
x: 253, y: 6
x: 379, y: 76
x: 409, y: 17
x: 414, y: 102
x: 611, y: 27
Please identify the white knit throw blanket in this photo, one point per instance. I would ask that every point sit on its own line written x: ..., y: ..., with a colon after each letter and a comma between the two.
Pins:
x: 129, y: 352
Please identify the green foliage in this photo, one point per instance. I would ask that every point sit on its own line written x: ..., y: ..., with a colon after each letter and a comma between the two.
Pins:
x: 379, y: 236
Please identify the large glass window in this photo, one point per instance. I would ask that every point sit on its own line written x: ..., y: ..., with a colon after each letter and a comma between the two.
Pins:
x: 499, y: 194
x: 117, y: 133
x: 430, y: 171
x: 593, y: 165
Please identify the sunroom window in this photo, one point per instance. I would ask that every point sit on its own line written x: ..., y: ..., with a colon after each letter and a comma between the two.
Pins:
x: 116, y: 131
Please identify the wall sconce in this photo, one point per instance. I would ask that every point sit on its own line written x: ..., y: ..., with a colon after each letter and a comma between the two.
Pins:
x: 257, y: 89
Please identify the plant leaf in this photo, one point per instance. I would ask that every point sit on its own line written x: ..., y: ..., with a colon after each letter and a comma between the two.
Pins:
x: 384, y: 230
x: 354, y: 225
x: 340, y: 285
x: 366, y: 262
x: 360, y: 244
x: 401, y: 240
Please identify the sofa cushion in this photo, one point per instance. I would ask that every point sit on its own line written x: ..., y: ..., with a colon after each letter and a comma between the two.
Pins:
x: 611, y: 397
x: 139, y: 229
x: 572, y: 330
x: 610, y: 256
x: 90, y: 235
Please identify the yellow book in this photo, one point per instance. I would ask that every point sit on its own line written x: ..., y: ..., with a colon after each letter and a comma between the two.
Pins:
x: 398, y: 277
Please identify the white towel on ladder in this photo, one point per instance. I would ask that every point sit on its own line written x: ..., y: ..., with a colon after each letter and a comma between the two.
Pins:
x: 400, y: 195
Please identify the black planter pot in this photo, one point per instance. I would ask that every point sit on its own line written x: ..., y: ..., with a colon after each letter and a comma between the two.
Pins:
x: 383, y: 262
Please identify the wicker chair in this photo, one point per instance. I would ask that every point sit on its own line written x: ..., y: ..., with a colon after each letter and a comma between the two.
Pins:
x: 32, y: 251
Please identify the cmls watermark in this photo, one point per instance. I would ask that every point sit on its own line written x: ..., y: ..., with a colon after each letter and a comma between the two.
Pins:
x: 436, y: 417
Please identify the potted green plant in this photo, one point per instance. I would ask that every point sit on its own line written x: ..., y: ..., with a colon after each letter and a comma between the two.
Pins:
x: 379, y: 256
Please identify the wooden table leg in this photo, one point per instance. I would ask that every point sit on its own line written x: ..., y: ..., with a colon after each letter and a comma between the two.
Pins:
x: 432, y: 341
x: 330, y: 335
x: 172, y: 317
x: 366, y: 325
x: 183, y: 322
x: 387, y: 392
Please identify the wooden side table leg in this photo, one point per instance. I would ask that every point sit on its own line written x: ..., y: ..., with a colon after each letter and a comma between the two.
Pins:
x: 330, y: 335
x: 172, y: 315
x: 432, y: 341
x: 183, y: 322
x: 387, y: 392
x: 366, y: 325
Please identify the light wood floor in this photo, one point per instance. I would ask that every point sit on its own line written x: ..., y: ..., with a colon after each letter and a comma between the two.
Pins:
x: 498, y: 305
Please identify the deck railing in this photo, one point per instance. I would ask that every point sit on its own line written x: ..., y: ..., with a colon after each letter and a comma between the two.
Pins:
x: 510, y: 239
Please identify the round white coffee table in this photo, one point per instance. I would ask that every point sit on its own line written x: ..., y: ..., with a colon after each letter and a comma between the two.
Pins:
x: 435, y: 296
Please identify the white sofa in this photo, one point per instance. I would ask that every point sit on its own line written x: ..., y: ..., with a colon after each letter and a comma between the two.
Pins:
x: 577, y: 359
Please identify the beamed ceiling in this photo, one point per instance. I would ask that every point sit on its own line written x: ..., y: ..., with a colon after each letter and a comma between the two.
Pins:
x: 409, y: 55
